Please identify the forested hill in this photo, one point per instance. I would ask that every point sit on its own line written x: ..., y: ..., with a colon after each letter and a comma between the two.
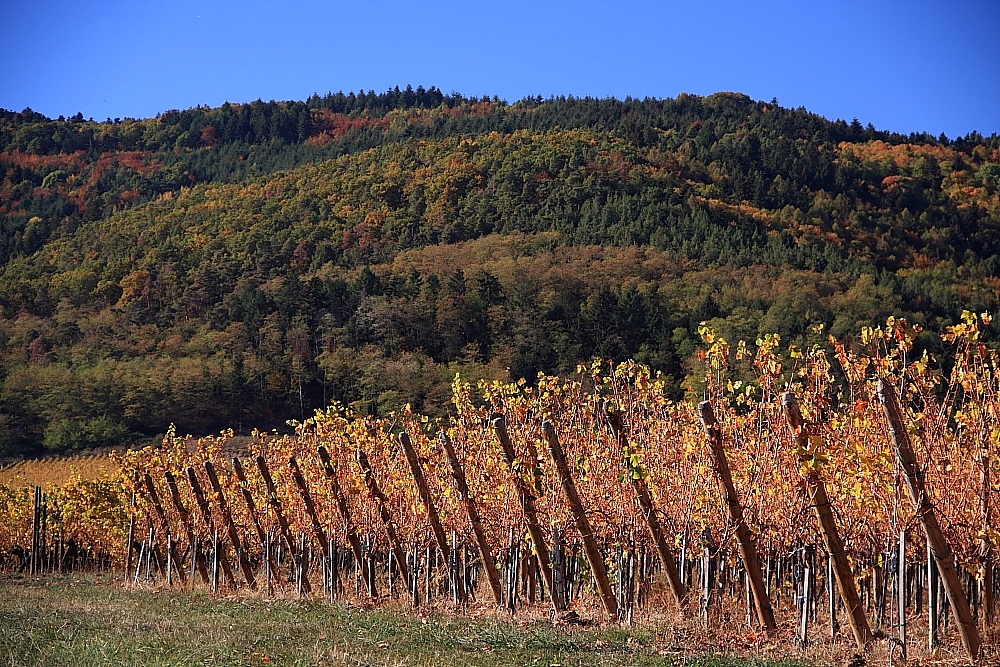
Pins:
x: 243, y: 265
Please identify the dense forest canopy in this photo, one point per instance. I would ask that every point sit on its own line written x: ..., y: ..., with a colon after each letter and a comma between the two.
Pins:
x: 243, y: 265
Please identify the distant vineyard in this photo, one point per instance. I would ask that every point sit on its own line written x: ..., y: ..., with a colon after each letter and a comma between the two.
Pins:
x: 57, y: 470
x: 598, y: 496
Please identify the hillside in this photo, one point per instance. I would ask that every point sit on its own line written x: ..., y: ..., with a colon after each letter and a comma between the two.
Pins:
x: 239, y: 266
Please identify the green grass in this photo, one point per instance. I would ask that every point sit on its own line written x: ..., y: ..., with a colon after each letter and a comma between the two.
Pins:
x: 78, y: 620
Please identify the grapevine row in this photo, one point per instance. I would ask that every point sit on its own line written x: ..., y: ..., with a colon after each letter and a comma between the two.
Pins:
x: 599, y: 494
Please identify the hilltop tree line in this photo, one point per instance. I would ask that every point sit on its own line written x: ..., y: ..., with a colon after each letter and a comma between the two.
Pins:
x: 242, y: 265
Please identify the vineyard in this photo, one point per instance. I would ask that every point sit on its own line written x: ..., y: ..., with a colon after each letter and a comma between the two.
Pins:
x: 813, y: 497
x: 57, y: 470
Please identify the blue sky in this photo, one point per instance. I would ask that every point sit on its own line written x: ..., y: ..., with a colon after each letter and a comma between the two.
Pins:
x: 903, y: 66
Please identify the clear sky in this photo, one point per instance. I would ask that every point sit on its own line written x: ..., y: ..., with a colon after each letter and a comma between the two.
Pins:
x: 906, y: 66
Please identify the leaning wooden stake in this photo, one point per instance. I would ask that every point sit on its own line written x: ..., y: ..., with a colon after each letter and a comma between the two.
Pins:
x: 748, y: 550
x: 827, y: 523
x: 485, y: 553
x: 317, y: 526
x: 154, y: 498
x: 196, y: 555
x: 227, y: 518
x: 597, y: 565
x: 279, y: 514
x: 241, y: 477
x: 383, y: 508
x: 428, y: 503
x: 645, y: 499
x: 345, y: 514
x: 527, y: 500
x: 939, y: 546
x: 206, y: 513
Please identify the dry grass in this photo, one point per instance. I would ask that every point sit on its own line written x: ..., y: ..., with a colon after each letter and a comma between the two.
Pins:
x: 92, y: 620
x: 86, y: 620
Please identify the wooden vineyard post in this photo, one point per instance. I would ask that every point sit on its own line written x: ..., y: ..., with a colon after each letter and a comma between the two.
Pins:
x: 241, y: 477
x: 527, y: 500
x: 648, y: 510
x: 317, y: 526
x: 36, y: 540
x: 932, y: 600
x: 901, y: 592
x: 154, y: 498
x: 989, y: 589
x: 170, y: 560
x: 827, y: 522
x: 345, y: 514
x: 215, y: 561
x: 43, y: 551
x: 485, y: 553
x: 986, y: 547
x: 428, y: 503
x: 748, y: 550
x: 196, y: 556
x: 227, y: 518
x: 383, y: 509
x: 153, y: 559
x: 582, y: 523
x: 206, y: 513
x: 831, y: 597
x: 936, y: 540
x: 131, y: 529
x: 279, y: 514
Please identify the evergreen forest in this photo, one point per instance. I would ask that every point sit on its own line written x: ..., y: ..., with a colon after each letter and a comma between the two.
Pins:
x: 241, y: 266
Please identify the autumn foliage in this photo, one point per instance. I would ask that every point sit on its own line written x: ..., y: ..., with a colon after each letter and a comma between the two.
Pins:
x: 247, y: 264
